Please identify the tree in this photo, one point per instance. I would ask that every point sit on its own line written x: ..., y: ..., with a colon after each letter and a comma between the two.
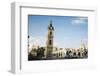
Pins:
x: 40, y: 52
x: 79, y: 54
x: 74, y: 54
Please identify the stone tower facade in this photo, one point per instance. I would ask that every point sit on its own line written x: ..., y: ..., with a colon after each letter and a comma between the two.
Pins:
x: 49, y: 42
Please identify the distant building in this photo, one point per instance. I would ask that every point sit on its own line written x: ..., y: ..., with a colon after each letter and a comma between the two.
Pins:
x: 59, y: 53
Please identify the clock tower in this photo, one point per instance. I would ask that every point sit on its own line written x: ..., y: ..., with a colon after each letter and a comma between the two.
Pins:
x: 49, y: 42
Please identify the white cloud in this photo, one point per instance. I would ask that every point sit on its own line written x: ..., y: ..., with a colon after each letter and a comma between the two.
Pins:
x: 79, y: 20
x: 37, y: 41
x: 56, y: 44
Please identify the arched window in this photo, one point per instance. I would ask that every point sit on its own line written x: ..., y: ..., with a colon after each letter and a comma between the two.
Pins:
x: 50, y: 42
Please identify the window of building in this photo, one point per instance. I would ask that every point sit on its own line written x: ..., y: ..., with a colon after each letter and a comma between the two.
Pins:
x: 50, y: 42
x: 50, y: 33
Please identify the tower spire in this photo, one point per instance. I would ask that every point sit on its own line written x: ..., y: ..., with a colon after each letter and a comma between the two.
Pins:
x: 82, y: 44
x: 50, y: 27
x: 50, y: 22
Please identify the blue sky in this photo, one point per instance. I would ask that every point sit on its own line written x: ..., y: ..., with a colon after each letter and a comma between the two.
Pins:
x: 69, y: 31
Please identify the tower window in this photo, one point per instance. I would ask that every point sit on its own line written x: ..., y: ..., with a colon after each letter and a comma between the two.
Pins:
x: 50, y: 42
x: 50, y: 33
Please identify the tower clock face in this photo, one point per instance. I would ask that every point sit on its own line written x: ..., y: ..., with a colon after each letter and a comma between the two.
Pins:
x: 62, y: 37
